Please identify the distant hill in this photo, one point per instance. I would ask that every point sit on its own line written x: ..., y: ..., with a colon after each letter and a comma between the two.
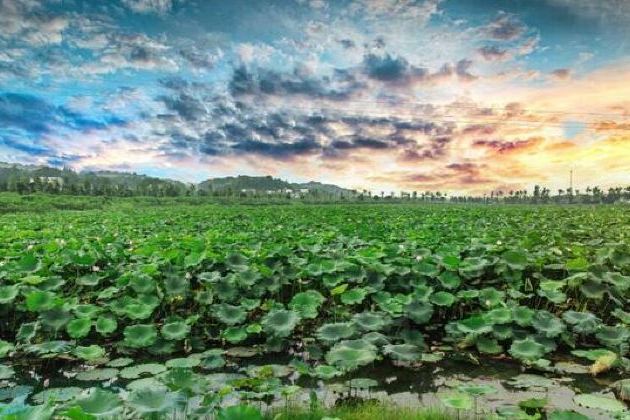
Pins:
x: 267, y: 183
x: 11, y: 173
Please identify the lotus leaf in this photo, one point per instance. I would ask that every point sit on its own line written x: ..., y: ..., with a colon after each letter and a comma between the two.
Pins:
x: 140, y: 335
x: 280, y: 322
x: 89, y: 353
x: 457, y: 401
x: 183, y: 363
x: 79, y: 328
x: 334, y: 332
x: 57, y: 394
x: 133, y: 372
x: 106, y: 324
x: 527, y: 349
x: 419, y: 312
x: 102, y: 374
x: 548, y: 324
x: 8, y: 293
x: 582, y: 322
x: 307, y: 303
x: 371, y: 321
x: 230, y: 314
x: 100, y: 403
x: 176, y: 330
x: 600, y: 402
x: 403, y: 352
x: 443, y: 298
x: 351, y: 354
x: 147, y: 401
x: 353, y: 296
x: 613, y: 336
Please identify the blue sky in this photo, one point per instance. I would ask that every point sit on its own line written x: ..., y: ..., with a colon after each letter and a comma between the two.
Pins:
x: 428, y: 94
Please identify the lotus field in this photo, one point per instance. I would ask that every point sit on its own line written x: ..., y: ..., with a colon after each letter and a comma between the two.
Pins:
x: 165, y: 310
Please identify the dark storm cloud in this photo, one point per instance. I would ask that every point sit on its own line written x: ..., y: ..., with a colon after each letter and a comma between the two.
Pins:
x: 561, y: 74
x: 462, y: 70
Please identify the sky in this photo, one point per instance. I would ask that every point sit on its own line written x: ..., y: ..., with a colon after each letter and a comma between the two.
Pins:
x: 458, y: 96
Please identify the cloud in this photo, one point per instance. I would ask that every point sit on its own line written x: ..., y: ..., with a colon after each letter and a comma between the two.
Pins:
x: 493, y: 53
x: 159, y: 7
x: 27, y: 22
x: 256, y: 81
x: 505, y: 146
x: 561, y: 74
x: 504, y: 27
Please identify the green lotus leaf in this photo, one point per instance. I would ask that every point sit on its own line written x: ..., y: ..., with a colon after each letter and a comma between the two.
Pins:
x: 613, y: 336
x: 183, y: 362
x: 371, y: 321
x: 403, y: 352
x: 502, y: 332
x: 618, y: 280
x: 250, y: 304
x: 376, y: 338
x: 8, y: 293
x: 548, y: 324
x: 336, y: 331
x: 147, y: 401
x: 443, y: 298
x: 90, y: 280
x: 526, y: 381
x: 566, y: 415
x: 593, y: 289
x: 225, y: 289
x: 6, y: 348
x: 135, y: 371
x: 176, y: 330
x: 79, y: 328
x: 432, y: 357
x: 142, y: 283
x: 551, y: 290
x: 477, y: 390
x: 103, y: 374
x: 239, y: 412
x: 412, y: 336
x: 280, y: 322
x: 457, y: 401
x: 57, y: 394
x: 599, y: 402
x: 247, y: 278
x: 307, y: 303
x: 449, y: 280
x: 55, y: 318
x: 476, y: 324
x: 516, y: 260
x: 621, y: 315
x: 468, y: 294
x: 499, y: 315
x: 50, y: 347
x: 350, y: 354
x: 242, y: 352
x: 362, y: 383
x: 527, y: 350
x: 162, y: 347
x: 146, y: 383
x: 488, y: 345
x: 86, y: 311
x: 473, y: 267
x: 419, y: 312
x: 582, y: 322
x: 140, y: 335
x: 229, y: 314
x: 135, y: 310
x: 6, y: 372
x: 326, y: 371
x: 89, y: 353
x: 353, y: 296
x: 523, y: 315
x: 622, y: 388
x: 120, y: 362
x: 27, y: 331
x: 106, y: 324
x: 176, y: 284
x: 40, y: 300
x: 234, y: 334
x: 491, y: 297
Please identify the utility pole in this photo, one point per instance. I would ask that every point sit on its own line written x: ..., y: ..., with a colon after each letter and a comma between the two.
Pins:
x: 571, y: 179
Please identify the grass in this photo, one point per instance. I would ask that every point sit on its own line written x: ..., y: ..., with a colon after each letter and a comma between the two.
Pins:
x: 363, y: 411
